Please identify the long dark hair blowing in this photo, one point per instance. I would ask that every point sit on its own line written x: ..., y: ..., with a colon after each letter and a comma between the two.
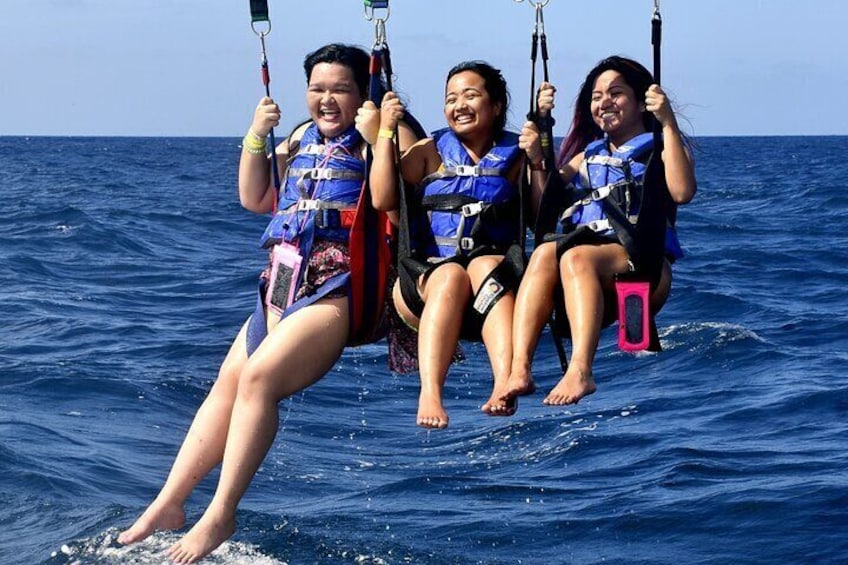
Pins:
x: 353, y: 57
x: 583, y: 128
x: 495, y: 85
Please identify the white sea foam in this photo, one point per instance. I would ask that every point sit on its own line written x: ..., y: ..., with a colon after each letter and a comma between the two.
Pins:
x: 105, y: 549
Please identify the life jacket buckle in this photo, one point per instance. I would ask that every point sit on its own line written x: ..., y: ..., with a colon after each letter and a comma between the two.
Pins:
x: 320, y: 174
x: 472, y: 209
x: 466, y: 243
x: 467, y: 170
x: 598, y: 226
x: 306, y: 205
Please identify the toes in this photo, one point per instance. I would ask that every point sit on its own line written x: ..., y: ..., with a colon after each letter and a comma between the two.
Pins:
x: 560, y: 400
x: 433, y: 422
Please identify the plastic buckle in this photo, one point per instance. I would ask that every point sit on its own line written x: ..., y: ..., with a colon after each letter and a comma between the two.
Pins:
x: 472, y: 209
x: 307, y: 205
x: 599, y: 225
x: 319, y: 174
x: 466, y: 243
x: 467, y: 170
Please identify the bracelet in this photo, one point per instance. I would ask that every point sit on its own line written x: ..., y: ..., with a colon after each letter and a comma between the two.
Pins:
x: 540, y: 166
x: 387, y: 133
x: 254, y: 144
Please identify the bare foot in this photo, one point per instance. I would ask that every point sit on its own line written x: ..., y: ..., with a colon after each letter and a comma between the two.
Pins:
x: 431, y: 413
x: 574, y: 385
x: 158, y: 516
x: 498, y: 404
x: 211, y: 531
x: 520, y: 383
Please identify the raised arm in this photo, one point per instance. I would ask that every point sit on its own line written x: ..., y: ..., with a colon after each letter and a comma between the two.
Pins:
x: 377, y: 127
x: 256, y: 191
x: 679, y: 166
x: 530, y: 141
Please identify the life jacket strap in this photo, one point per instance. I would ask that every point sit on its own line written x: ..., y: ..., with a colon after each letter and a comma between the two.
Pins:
x: 462, y: 171
x: 608, y: 161
x: 310, y: 205
x: 461, y: 243
x: 321, y: 173
x: 312, y: 149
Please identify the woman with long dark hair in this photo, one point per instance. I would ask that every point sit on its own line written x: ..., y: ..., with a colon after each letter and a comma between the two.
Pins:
x: 605, y: 152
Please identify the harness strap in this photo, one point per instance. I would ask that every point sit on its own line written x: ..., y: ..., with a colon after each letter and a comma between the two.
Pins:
x: 467, y: 207
x: 503, y: 279
x: 595, y: 196
x: 259, y: 11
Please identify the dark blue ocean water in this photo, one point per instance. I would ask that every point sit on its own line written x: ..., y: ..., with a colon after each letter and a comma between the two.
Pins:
x: 127, y: 266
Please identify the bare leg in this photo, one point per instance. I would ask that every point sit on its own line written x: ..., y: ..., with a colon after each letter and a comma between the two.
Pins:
x: 497, y: 337
x: 445, y: 293
x: 201, y: 451
x: 533, y: 307
x: 587, y: 273
x: 300, y: 350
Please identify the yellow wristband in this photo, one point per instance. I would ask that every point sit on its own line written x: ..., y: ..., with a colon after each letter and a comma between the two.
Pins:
x: 387, y: 133
x: 253, y: 143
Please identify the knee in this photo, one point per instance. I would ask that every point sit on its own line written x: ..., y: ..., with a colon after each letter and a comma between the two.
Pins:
x: 253, y: 384
x: 576, y: 262
x: 484, y: 265
x: 451, y: 281
x: 543, y: 260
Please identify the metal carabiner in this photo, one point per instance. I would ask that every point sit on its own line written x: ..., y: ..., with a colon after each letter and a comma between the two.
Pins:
x: 371, y: 10
x: 657, y: 10
x: 261, y: 33
x: 536, y: 3
x: 380, y: 40
x: 540, y: 17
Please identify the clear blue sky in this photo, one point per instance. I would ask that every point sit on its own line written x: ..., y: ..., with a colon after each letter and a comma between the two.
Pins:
x: 190, y: 67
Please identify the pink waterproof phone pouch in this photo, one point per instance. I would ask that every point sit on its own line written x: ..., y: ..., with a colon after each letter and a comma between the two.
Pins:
x: 633, y: 315
x: 285, y: 270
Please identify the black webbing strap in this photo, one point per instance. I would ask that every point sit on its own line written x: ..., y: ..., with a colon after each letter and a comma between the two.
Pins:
x: 381, y: 65
x: 259, y: 11
x: 651, y: 225
x: 554, y: 190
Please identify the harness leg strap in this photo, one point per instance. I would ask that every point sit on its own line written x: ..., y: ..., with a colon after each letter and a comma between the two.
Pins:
x: 409, y: 271
x: 503, y: 278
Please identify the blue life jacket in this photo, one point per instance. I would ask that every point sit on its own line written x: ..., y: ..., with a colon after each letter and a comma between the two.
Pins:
x: 323, y: 182
x: 619, y: 174
x: 464, y: 205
